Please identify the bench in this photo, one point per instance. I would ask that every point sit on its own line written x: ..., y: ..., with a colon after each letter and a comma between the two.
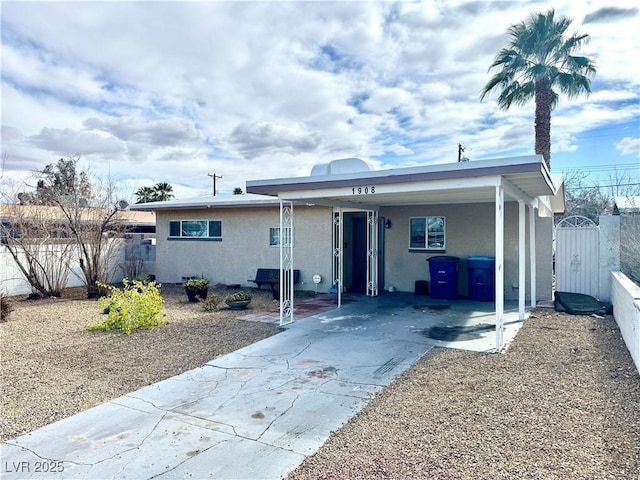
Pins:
x: 271, y: 276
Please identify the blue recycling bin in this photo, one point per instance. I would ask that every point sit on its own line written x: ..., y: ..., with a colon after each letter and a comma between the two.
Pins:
x: 443, y: 271
x: 481, y: 274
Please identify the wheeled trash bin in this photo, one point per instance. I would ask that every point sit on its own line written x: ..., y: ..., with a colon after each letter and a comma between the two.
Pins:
x: 481, y: 274
x: 443, y: 271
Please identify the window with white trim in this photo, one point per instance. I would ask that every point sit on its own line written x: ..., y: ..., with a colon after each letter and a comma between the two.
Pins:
x: 196, y: 229
x: 427, y: 233
x: 275, y: 238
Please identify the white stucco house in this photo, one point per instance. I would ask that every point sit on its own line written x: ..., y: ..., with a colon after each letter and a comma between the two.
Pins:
x: 368, y: 231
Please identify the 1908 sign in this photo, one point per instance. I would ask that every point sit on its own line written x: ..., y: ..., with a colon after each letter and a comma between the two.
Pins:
x: 363, y: 190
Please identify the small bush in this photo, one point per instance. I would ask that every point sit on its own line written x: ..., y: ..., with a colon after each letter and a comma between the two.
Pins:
x: 137, y: 305
x: 196, y: 284
x: 240, y: 296
x: 210, y: 304
x: 5, y: 308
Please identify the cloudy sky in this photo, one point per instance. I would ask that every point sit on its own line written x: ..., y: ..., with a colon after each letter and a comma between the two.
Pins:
x: 152, y: 92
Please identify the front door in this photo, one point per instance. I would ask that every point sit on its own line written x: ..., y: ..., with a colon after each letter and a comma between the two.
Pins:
x: 358, y: 254
x: 355, y: 249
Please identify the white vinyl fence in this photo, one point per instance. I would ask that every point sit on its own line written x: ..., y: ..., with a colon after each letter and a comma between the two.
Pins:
x: 625, y: 297
x: 12, y: 282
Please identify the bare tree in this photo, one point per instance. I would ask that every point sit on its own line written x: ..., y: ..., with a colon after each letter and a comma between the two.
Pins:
x: 37, y: 240
x: 624, y: 188
x: 581, y: 199
x: 87, y: 207
x: 597, y: 199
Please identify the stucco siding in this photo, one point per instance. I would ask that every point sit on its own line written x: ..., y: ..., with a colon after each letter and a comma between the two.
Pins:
x: 470, y: 230
x: 245, y: 246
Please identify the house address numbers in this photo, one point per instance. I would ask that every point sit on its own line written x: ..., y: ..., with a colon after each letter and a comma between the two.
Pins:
x: 363, y: 190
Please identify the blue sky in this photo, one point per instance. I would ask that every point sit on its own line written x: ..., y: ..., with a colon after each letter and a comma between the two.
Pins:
x: 173, y: 91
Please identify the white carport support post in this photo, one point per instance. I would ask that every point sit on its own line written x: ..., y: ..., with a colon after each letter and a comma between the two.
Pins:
x: 532, y: 254
x: 499, y: 283
x: 522, y: 260
x: 338, y: 268
x: 286, y: 262
x: 372, y: 253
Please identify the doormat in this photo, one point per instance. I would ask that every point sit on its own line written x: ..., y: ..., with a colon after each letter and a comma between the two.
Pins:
x: 580, y: 304
x: 459, y: 332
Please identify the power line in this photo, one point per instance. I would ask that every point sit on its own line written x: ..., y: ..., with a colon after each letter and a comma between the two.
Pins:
x: 604, y: 186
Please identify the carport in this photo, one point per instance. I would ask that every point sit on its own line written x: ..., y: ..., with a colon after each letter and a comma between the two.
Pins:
x: 525, y: 180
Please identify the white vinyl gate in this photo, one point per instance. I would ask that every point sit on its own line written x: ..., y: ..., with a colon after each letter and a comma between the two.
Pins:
x: 577, y: 250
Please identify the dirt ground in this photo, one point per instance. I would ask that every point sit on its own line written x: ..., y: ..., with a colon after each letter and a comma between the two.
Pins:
x: 562, y: 403
x: 51, y: 367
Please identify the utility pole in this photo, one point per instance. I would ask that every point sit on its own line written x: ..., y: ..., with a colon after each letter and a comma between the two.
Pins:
x: 214, y: 176
x: 460, y: 150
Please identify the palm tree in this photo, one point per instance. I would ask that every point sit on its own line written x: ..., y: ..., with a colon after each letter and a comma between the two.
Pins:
x: 538, y: 63
x: 145, y: 195
x: 163, y: 191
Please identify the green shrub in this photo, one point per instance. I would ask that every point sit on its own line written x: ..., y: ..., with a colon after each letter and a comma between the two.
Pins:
x: 5, y: 308
x: 137, y: 305
x: 240, y: 296
x: 210, y: 304
x: 196, y: 283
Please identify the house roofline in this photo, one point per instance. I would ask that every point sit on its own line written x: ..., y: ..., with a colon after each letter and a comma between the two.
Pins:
x: 448, y: 171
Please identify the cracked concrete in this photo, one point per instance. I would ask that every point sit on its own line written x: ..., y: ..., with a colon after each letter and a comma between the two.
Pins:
x: 254, y: 413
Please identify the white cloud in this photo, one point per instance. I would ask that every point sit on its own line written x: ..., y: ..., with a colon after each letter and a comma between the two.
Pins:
x: 65, y: 141
x: 149, y: 87
x: 165, y: 132
x: 629, y: 146
x: 256, y: 139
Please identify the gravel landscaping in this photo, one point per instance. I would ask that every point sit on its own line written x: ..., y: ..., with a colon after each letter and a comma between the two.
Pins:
x: 51, y: 367
x: 562, y: 403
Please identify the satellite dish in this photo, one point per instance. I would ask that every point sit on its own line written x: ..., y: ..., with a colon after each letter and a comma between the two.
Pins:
x: 123, y: 204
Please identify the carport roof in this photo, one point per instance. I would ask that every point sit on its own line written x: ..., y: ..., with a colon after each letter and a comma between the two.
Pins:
x: 526, y: 177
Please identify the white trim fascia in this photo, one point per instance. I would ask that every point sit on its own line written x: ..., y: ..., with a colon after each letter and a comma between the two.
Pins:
x: 425, y: 186
x: 544, y: 207
x: 374, y: 174
x: 514, y: 192
x: 244, y: 200
x: 330, y: 203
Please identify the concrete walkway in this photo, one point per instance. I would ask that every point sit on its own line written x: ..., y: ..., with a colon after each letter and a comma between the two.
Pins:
x: 255, y: 413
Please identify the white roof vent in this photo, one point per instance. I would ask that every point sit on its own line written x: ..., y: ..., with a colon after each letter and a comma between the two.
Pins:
x: 342, y: 165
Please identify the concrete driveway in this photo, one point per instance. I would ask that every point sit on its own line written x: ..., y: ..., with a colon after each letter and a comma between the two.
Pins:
x: 258, y: 412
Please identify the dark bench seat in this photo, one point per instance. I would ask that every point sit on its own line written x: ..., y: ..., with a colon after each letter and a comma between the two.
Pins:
x: 271, y: 277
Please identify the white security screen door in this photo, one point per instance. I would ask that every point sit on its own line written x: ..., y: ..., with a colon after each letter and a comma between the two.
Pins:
x: 372, y: 253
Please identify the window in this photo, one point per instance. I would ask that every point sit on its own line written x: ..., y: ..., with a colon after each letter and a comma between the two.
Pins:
x: 275, y: 238
x: 427, y: 233
x: 211, y: 229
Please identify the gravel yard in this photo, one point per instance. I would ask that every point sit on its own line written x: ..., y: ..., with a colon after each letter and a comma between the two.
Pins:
x: 562, y: 403
x: 51, y: 367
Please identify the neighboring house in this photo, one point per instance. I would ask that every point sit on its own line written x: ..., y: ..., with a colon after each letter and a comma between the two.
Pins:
x: 48, y: 225
x: 52, y: 218
x: 370, y: 230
